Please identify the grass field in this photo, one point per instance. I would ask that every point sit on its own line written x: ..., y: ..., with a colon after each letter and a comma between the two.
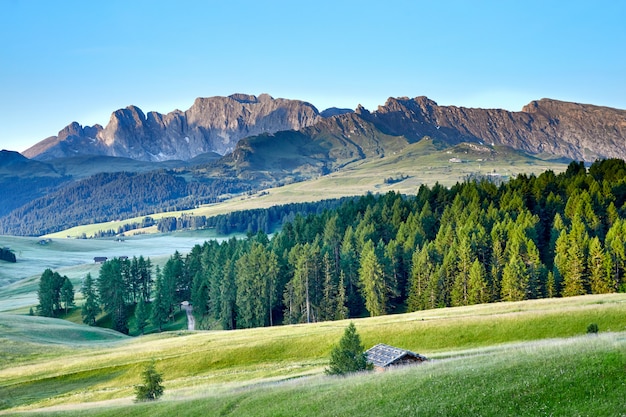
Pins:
x: 525, y: 358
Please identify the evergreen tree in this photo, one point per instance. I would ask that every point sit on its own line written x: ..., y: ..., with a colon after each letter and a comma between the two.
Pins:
x: 342, y: 308
x: 142, y: 314
x: 151, y: 389
x: 349, y: 355
x: 372, y: 281
x: 514, y: 279
x: 113, y: 293
x: 228, y: 294
x: 600, y: 278
x: 615, y: 245
x: 477, y: 291
x: 91, y: 308
x: 303, y: 293
x: 328, y: 308
x: 551, y: 290
x: 575, y: 270
x: 176, y: 280
x: 49, y: 293
x: 163, y: 299
x: 256, y: 277
x: 350, y: 268
x: 67, y: 294
x: 460, y: 289
x: 422, y: 278
x: 46, y: 294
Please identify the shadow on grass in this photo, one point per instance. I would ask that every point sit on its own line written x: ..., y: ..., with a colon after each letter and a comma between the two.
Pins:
x: 31, y: 392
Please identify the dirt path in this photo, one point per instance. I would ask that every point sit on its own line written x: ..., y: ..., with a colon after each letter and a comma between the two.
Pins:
x: 191, y: 321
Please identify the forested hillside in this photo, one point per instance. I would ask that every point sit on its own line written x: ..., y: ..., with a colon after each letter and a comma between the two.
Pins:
x: 533, y: 237
x: 110, y: 196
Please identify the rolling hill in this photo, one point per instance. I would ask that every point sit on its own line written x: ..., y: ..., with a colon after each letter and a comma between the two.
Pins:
x: 517, y: 358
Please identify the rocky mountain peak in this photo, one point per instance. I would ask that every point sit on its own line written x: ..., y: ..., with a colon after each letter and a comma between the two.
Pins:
x: 213, y: 124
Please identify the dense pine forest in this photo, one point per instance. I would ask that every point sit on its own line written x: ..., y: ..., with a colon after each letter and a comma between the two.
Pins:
x: 532, y: 237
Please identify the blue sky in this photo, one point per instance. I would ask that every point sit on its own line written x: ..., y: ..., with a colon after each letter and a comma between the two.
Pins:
x: 64, y: 61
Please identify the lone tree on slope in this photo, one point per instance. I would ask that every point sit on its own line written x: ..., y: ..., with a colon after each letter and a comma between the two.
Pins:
x: 151, y: 389
x: 349, y: 355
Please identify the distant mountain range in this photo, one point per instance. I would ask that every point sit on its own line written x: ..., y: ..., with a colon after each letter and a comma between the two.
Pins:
x: 225, y: 145
x: 217, y: 124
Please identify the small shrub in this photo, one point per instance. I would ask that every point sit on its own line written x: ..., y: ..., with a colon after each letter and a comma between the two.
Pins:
x: 592, y: 328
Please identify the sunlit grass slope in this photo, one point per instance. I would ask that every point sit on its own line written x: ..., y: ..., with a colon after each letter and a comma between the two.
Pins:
x: 583, y: 376
x: 230, y: 371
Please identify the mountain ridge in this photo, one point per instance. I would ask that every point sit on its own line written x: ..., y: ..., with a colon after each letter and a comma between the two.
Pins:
x: 216, y: 124
x: 213, y: 124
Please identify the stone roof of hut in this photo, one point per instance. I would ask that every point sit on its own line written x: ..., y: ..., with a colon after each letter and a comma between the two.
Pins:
x: 383, y: 355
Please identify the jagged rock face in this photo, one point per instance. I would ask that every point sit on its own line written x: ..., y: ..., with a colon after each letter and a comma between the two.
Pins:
x: 213, y: 124
x: 576, y: 131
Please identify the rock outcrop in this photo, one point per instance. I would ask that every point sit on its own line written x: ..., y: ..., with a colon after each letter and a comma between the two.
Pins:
x: 213, y: 124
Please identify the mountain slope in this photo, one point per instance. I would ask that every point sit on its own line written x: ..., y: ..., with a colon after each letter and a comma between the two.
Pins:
x: 212, y: 124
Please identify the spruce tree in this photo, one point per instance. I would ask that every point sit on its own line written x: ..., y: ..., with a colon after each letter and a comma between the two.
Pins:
x: 342, y: 309
x: 162, y: 302
x: 257, y: 272
x: 349, y: 355
x: 45, y: 294
x: 152, y: 389
x: 477, y: 292
x: 90, y: 309
x: 113, y: 292
x: 67, y: 294
x: 460, y: 288
x: 372, y: 281
x: 600, y: 278
x: 514, y: 280
x: 142, y: 314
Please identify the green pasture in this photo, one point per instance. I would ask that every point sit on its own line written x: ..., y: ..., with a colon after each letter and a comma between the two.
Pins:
x: 516, y: 351
x: 583, y: 376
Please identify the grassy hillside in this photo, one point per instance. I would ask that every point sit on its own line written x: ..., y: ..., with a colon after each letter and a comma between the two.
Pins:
x: 520, y: 380
x: 489, y: 361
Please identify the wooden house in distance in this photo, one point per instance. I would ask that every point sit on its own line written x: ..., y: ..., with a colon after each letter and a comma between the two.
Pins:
x: 384, y: 356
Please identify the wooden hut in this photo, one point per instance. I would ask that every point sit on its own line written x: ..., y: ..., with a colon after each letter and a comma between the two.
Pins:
x: 384, y: 356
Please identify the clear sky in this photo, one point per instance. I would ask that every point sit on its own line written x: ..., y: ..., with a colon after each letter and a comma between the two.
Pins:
x: 64, y: 61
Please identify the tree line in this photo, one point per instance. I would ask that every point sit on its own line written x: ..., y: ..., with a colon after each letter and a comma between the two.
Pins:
x: 532, y: 237
x: 535, y: 236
